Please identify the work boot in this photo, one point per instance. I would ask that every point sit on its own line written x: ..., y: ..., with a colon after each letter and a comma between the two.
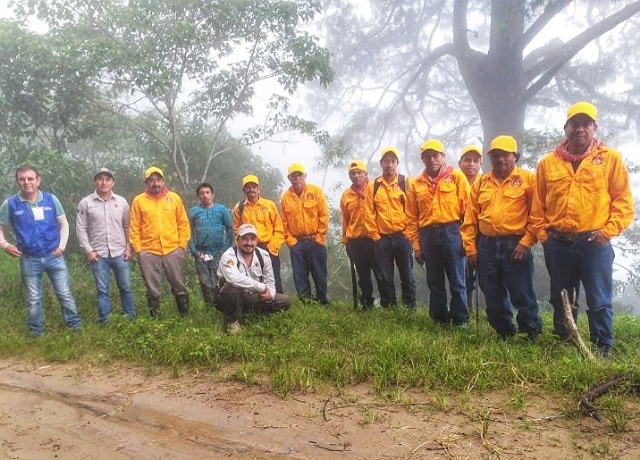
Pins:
x: 182, y: 302
x: 154, y: 306
x: 234, y: 328
x: 209, y: 295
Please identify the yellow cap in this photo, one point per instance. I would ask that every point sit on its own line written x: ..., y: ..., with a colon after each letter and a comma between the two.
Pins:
x: 153, y: 170
x: 471, y: 148
x: 504, y: 143
x: 296, y: 167
x: 357, y: 164
x: 390, y: 150
x: 432, y: 144
x: 250, y: 179
x: 582, y: 107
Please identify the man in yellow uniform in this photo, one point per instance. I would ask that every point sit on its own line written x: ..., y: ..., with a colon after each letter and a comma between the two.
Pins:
x: 159, y: 233
x: 305, y: 217
x: 470, y: 164
x: 264, y: 216
x: 583, y: 200
x: 435, y: 207
x: 354, y: 233
x: 386, y: 223
x: 498, y: 235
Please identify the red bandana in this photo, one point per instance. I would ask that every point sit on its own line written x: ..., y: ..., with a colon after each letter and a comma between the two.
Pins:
x: 360, y: 190
x: 445, y: 170
x: 562, y: 152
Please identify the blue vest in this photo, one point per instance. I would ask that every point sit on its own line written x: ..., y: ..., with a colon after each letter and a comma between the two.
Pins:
x: 37, y: 238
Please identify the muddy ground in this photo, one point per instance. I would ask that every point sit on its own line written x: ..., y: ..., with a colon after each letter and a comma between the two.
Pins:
x: 64, y: 411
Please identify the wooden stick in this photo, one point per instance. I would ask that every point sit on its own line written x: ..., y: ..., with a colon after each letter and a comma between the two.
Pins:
x: 572, y: 328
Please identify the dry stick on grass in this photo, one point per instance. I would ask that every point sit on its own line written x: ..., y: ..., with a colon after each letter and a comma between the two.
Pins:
x: 589, y: 396
x: 572, y: 329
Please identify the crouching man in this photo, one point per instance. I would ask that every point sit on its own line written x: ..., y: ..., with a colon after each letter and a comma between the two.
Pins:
x: 246, y: 281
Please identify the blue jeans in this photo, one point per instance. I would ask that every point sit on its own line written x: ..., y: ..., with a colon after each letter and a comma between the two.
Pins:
x: 568, y: 264
x: 309, y: 257
x: 55, y: 267
x: 361, y: 253
x: 443, y: 254
x: 389, y: 249
x: 508, y: 284
x: 102, y: 275
x: 207, y: 271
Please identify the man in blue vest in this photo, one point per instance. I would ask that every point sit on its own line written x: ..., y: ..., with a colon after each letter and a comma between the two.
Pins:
x: 41, y: 233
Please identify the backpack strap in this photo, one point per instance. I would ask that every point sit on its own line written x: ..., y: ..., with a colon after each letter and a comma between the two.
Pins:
x: 402, y: 183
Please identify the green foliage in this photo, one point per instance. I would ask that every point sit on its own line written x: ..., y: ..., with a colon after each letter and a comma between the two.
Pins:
x: 311, y: 347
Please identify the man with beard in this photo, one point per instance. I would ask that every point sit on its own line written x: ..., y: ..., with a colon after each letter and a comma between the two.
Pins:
x: 264, y: 216
x: 435, y: 206
x: 246, y: 281
x: 583, y: 199
x: 102, y: 227
x: 159, y: 234
x: 211, y: 235
x: 354, y: 233
x: 498, y: 235
x: 386, y: 224
x: 305, y: 218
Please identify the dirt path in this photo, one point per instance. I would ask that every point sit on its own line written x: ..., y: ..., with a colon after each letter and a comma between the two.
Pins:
x: 73, y: 412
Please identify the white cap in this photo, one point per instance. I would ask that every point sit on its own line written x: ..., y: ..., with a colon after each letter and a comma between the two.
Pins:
x: 246, y: 229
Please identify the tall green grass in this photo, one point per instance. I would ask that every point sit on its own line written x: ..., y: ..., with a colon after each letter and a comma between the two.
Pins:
x: 312, y: 347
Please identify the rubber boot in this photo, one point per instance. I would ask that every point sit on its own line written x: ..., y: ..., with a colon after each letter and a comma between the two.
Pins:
x: 154, y: 306
x: 182, y: 302
x: 209, y: 295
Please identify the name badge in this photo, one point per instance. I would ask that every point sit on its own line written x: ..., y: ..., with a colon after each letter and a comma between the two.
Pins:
x: 38, y: 212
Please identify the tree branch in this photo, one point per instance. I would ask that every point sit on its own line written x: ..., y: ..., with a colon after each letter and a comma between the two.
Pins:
x: 547, y: 15
x: 552, y: 64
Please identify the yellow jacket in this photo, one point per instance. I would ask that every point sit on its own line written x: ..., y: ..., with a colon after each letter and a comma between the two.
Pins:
x: 426, y: 206
x: 500, y: 208
x: 159, y: 225
x: 595, y: 197
x: 305, y: 215
x: 264, y: 215
x: 387, y: 214
x: 352, y: 209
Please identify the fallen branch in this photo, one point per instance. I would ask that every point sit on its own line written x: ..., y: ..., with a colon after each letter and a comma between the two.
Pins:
x: 572, y: 328
x: 590, y: 395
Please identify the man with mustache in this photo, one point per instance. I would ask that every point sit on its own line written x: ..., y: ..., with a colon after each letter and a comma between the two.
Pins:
x: 498, y: 235
x: 247, y: 282
x: 159, y: 233
x: 583, y: 200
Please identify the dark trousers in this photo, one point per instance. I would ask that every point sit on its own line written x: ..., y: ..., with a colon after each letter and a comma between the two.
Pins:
x: 360, y: 252
x: 309, y: 258
x: 568, y: 264
x: 275, y: 263
x: 234, y: 302
x: 507, y: 284
x: 390, y: 249
x: 443, y: 254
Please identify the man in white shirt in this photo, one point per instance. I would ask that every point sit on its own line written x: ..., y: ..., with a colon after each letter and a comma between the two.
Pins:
x: 246, y: 281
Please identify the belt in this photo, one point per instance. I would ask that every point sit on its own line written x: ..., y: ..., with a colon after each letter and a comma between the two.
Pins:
x: 569, y: 237
x: 441, y: 225
x: 304, y: 237
x: 393, y: 235
x: 503, y: 237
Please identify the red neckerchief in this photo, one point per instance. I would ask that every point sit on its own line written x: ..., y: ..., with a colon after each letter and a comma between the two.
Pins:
x: 360, y: 190
x: 160, y: 195
x: 563, y: 153
x: 445, y: 170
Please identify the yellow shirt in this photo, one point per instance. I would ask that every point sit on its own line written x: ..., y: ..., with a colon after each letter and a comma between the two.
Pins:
x: 500, y: 208
x: 385, y: 213
x: 352, y: 209
x: 305, y: 215
x: 264, y: 215
x: 159, y: 225
x: 595, y: 197
x: 426, y: 206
